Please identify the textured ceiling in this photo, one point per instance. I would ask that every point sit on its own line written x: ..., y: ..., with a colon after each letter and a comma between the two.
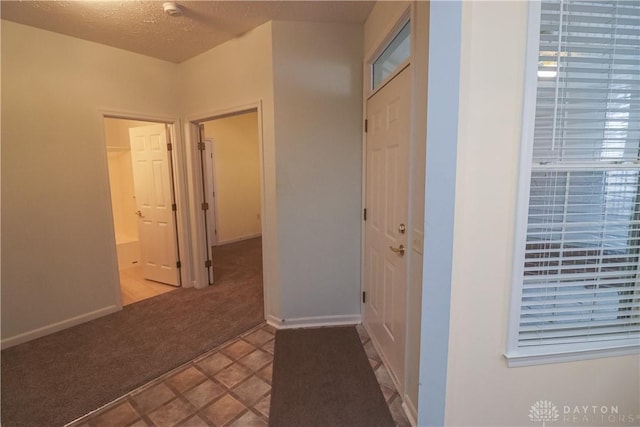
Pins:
x: 143, y: 27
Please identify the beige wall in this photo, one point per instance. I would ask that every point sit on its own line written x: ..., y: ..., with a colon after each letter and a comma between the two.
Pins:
x: 380, y: 23
x: 236, y: 154
x: 481, y: 389
x: 318, y: 130
x: 58, y: 256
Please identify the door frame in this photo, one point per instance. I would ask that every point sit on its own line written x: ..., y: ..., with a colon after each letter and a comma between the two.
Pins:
x: 180, y: 195
x: 192, y: 134
x: 407, y: 14
x: 210, y: 183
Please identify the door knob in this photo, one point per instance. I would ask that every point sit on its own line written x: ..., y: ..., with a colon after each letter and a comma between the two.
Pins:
x: 399, y: 250
x: 139, y: 213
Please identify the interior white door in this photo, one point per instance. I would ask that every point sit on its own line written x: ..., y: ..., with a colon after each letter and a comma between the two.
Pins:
x: 154, y: 199
x: 386, y: 201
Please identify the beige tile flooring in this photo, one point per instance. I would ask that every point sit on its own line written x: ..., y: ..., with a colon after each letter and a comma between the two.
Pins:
x: 134, y: 287
x: 227, y: 386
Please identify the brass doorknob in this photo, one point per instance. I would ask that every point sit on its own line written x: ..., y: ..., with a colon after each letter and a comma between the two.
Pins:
x: 399, y: 250
x: 139, y: 213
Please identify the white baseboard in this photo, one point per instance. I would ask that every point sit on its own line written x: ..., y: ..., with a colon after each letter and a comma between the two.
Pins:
x: 410, y: 410
x: 314, y: 322
x: 273, y: 321
x: 238, y: 239
x: 58, y: 326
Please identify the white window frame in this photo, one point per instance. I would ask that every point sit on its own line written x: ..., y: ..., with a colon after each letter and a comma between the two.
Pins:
x: 399, y: 25
x: 537, y: 355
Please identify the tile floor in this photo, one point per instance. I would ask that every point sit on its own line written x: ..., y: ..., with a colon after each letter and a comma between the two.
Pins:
x: 134, y: 287
x: 228, y: 386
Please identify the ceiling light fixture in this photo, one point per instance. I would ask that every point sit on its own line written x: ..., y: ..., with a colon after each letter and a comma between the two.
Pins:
x: 171, y: 8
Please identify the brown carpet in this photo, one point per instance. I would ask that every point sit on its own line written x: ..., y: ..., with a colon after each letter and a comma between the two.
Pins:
x: 58, y: 378
x: 322, y: 377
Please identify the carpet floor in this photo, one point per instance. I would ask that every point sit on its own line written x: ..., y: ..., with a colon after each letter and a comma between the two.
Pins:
x: 322, y: 377
x: 58, y: 378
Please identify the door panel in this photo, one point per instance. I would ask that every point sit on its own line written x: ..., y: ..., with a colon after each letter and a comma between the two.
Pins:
x: 154, y: 199
x: 386, y: 200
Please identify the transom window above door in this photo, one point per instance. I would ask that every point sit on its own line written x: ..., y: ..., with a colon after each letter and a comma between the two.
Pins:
x: 396, y: 54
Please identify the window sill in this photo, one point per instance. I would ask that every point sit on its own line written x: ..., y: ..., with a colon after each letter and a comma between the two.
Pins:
x: 516, y: 359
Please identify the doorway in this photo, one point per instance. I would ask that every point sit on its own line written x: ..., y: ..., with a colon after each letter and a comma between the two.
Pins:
x: 230, y: 162
x: 387, y: 245
x: 143, y: 207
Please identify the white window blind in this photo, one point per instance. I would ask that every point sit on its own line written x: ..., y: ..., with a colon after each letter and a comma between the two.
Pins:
x: 580, y: 284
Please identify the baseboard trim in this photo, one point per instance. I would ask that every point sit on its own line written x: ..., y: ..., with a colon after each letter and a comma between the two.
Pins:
x: 410, y: 411
x: 314, y: 322
x: 238, y: 239
x: 58, y: 326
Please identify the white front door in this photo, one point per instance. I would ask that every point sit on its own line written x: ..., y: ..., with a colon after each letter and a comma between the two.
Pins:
x: 154, y: 199
x: 386, y: 234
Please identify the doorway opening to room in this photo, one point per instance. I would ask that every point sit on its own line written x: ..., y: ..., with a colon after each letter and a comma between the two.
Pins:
x: 229, y: 153
x: 143, y: 201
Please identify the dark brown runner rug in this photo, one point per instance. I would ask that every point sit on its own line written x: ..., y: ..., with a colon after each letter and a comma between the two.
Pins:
x: 322, y: 377
x: 55, y: 379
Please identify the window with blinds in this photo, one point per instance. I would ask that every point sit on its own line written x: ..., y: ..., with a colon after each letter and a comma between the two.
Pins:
x: 578, y: 283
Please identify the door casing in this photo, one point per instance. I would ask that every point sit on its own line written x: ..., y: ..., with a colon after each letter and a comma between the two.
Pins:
x: 192, y: 132
x: 387, y: 36
x: 179, y: 167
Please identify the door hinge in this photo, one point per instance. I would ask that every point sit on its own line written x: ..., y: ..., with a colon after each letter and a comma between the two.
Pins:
x: 201, y: 146
x: 169, y: 146
x: 205, y: 206
x: 207, y: 263
x: 364, y: 215
x: 366, y: 125
x: 178, y: 264
x: 174, y: 207
x: 364, y: 297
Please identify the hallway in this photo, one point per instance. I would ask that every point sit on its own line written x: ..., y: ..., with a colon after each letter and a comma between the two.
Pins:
x: 72, y: 372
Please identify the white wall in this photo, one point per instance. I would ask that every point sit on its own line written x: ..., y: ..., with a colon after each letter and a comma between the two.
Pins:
x: 481, y: 390
x: 58, y: 256
x: 318, y: 130
x: 236, y: 154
